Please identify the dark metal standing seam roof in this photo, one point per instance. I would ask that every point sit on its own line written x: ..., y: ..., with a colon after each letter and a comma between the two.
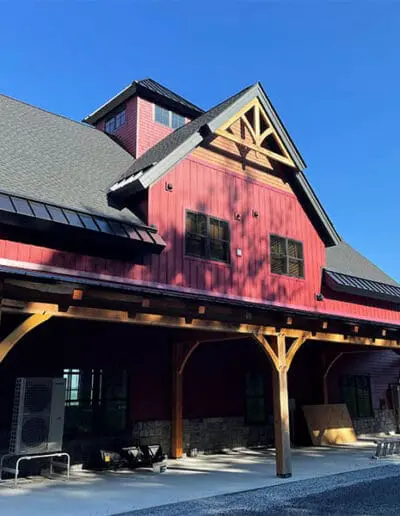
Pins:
x: 11, y: 205
x: 55, y: 160
x: 161, y: 90
x: 362, y: 287
x: 146, y: 88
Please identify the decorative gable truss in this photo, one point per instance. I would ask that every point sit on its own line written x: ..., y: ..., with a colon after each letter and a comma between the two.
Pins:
x: 253, y: 133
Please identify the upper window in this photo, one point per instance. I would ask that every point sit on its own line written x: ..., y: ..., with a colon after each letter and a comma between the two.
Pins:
x: 115, y: 122
x: 207, y: 237
x: 168, y: 118
x: 286, y: 256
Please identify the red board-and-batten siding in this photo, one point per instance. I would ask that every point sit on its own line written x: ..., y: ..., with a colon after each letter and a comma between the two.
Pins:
x: 210, y: 188
x: 140, y: 131
x: 215, y: 189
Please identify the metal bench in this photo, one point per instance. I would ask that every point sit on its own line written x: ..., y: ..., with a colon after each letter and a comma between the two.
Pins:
x: 386, y: 447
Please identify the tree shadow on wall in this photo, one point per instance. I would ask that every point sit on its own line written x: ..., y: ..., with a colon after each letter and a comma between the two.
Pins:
x: 245, y: 276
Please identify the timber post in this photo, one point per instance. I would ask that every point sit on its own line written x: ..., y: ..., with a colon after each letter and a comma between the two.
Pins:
x: 281, y: 412
x: 181, y: 352
x: 177, y: 399
x: 281, y: 361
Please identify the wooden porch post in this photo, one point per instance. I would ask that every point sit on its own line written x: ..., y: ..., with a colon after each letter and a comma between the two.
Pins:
x: 281, y: 361
x: 281, y: 412
x: 176, y: 417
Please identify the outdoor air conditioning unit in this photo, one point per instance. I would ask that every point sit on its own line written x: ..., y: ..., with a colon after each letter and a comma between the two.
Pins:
x: 38, y: 416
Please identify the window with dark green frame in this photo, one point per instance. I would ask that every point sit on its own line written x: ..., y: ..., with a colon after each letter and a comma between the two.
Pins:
x: 207, y: 237
x: 114, y: 122
x: 287, y: 256
x: 96, y: 402
x: 355, y: 391
x: 255, y: 399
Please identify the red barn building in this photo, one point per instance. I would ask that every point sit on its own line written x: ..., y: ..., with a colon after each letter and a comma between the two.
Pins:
x: 177, y: 268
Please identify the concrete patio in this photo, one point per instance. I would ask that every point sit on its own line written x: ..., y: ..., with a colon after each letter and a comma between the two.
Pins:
x: 104, y: 494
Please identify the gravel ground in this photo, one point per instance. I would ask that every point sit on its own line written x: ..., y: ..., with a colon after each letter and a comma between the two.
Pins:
x: 369, y: 492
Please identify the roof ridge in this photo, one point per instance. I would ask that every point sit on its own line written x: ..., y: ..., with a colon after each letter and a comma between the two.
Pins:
x: 38, y: 108
x: 189, y: 102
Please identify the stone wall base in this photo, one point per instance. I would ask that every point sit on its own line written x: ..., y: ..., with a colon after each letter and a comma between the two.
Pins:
x: 205, y: 434
x: 384, y: 421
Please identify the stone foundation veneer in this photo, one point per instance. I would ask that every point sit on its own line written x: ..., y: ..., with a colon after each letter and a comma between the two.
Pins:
x: 205, y: 434
x: 384, y: 421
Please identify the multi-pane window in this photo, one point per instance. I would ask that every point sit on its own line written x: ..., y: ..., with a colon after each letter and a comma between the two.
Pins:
x: 255, y: 399
x: 355, y: 391
x: 286, y: 256
x: 207, y: 237
x: 96, y: 401
x: 115, y: 122
x: 169, y: 118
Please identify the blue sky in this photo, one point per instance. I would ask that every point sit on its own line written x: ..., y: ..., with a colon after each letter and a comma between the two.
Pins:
x: 332, y: 70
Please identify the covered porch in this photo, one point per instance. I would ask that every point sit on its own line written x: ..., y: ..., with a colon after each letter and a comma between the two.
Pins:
x: 181, y: 356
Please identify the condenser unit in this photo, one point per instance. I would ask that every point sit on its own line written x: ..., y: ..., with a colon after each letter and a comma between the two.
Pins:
x: 38, y: 416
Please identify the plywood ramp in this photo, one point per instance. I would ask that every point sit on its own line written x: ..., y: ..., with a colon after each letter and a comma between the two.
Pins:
x: 329, y: 424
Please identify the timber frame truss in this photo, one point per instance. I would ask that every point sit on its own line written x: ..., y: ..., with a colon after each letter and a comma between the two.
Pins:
x: 252, y: 131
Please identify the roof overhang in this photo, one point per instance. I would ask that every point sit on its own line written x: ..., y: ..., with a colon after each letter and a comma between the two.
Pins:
x: 136, y: 88
x: 340, y: 282
x: 163, y: 300
x: 66, y: 229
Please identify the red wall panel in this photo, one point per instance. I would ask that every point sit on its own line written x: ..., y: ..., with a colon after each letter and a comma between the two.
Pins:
x: 127, y: 133
x: 217, y: 191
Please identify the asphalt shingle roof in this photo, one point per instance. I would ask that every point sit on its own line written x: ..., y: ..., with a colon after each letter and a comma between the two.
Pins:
x: 168, y: 144
x: 344, y: 259
x: 50, y: 158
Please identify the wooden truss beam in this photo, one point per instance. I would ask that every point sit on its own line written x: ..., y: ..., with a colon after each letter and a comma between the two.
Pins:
x: 181, y: 352
x: 7, y: 344
x: 257, y: 135
x: 149, y: 319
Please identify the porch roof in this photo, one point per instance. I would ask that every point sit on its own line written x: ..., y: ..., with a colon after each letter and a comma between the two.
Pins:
x: 91, y: 228
x: 362, y: 287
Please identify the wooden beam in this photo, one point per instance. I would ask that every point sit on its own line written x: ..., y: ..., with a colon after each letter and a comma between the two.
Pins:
x: 343, y: 339
x: 256, y: 148
x: 187, y: 353
x: 281, y: 412
x: 85, y: 312
x: 8, y: 343
x: 177, y: 402
x: 325, y: 377
x: 295, y: 346
x: 256, y: 132
x: 260, y: 339
x: 77, y: 294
